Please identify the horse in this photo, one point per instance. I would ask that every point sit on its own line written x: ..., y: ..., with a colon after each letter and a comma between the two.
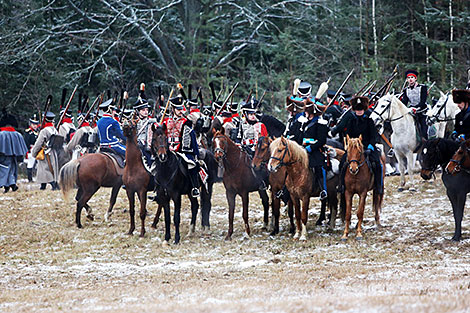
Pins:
x: 276, y: 181
x: 287, y: 153
x: 89, y: 173
x: 239, y: 178
x: 404, y: 137
x: 460, y: 161
x: 136, y: 178
x: 172, y: 183
x: 438, y: 152
x: 442, y: 115
x: 358, y: 179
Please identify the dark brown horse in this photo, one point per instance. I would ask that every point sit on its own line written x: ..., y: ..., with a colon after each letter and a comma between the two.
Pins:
x: 460, y: 161
x: 89, y: 173
x: 288, y: 154
x: 358, y: 179
x: 276, y: 181
x: 239, y: 178
x: 136, y: 178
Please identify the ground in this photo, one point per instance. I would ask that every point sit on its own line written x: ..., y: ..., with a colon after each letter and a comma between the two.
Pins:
x: 49, y: 265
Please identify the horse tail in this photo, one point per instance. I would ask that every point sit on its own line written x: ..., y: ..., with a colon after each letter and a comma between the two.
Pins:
x: 68, y: 177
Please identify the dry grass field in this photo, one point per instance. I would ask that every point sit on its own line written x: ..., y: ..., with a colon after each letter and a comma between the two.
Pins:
x: 49, y: 265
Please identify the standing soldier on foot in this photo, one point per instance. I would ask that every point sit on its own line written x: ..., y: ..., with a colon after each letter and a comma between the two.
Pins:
x: 30, y: 137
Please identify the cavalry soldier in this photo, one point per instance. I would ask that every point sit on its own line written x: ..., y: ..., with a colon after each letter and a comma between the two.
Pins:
x: 175, y: 122
x: 194, y: 112
x: 334, y: 111
x: 415, y: 96
x: 462, y: 119
x: 12, y: 148
x: 295, y: 106
x: 30, y: 137
x: 66, y: 128
x: 110, y: 131
x: 251, y: 128
x: 362, y: 124
x: 46, y: 154
x: 85, y: 139
x: 144, y: 134
x: 314, y: 137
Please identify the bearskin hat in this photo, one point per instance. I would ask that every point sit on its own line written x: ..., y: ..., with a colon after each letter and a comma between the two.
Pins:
x: 461, y: 95
x: 359, y: 103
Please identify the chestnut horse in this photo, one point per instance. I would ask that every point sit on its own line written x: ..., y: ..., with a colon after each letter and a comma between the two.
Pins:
x: 136, y: 178
x: 460, y: 161
x: 89, y: 173
x: 276, y: 181
x: 299, y: 181
x: 358, y: 179
x: 238, y: 178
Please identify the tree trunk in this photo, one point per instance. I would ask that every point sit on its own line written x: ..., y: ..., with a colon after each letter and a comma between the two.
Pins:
x: 374, y: 28
x: 451, y: 18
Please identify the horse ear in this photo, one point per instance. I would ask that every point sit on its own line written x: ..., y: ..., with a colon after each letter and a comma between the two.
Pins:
x: 441, y: 93
x: 360, y: 137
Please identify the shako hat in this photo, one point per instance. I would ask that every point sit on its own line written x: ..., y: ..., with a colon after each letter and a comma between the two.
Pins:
x: 305, y: 89
x: 411, y: 73
x: 142, y: 102
x: 34, y: 119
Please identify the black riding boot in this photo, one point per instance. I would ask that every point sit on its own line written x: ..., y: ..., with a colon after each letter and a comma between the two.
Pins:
x: 194, y: 180
x: 319, y: 180
x: 55, y: 186
x: 378, y: 178
x: 43, y: 186
x: 30, y: 174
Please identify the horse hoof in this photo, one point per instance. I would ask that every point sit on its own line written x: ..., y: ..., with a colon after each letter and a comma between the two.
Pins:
x: 455, y: 239
x: 412, y: 189
x: 154, y: 226
x: 303, y: 238
x: 319, y: 223
x: 296, y: 236
x: 228, y: 238
x: 79, y: 226
x: 400, y: 189
x: 165, y: 243
x: 274, y: 232
x: 91, y: 217
x: 129, y: 233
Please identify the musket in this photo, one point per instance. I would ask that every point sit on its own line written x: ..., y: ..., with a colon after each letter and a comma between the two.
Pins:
x: 369, y: 89
x: 339, y: 90
x: 260, y: 100
x: 89, y: 112
x: 381, y: 90
x: 363, y: 87
x: 395, y: 70
x: 66, y: 108
x: 226, y: 100
x: 101, y: 97
x: 156, y: 107
x: 46, y: 108
x: 249, y: 96
x: 80, y: 103
x: 166, y: 107
x: 430, y: 87
x: 468, y: 79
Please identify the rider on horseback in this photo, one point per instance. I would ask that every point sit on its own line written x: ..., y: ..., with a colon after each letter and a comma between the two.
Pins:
x: 182, y: 139
x: 110, y: 131
x: 295, y: 106
x: 144, y: 134
x: 314, y: 135
x: 415, y: 96
x: 362, y: 124
x: 462, y: 119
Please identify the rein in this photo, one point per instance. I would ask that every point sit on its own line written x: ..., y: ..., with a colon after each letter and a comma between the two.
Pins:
x: 388, y: 108
x: 436, y: 116
x: 281, y: 159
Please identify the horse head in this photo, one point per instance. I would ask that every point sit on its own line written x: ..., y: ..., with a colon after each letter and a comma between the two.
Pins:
x: 355, y: 153
x: 129, y: 125
x: 219, y: 145
x: 444, y: 110
x: 429, y: 158
x: 279, y: 153
x: 159, y: 142
x: 262, y: 152
x: 460, y: 160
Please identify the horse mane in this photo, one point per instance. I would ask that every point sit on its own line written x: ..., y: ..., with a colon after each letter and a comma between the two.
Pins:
x: 354, y: 143
x: 297, y: 151
x: 400, y: 105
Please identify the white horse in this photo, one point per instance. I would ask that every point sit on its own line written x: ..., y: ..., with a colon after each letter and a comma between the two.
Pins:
x: 442, y: 114
x: 403, y: 139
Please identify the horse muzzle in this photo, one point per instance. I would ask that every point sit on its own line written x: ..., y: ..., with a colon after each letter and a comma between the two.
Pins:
x: 162, y: 157
x: 353, y: 171
x: 426, y: 174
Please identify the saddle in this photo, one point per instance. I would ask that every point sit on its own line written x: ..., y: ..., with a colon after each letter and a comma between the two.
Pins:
x: 203, y: 171
x: 118, y: 161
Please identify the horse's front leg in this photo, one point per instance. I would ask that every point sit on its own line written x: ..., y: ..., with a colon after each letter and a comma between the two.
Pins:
x: 245, y: 201
x: 298, y: 217
x: 194, y: 208
x: 402, y: 169
x: 265, y: 201
x: 157, y: 216
x: 458, y: 202
x: 131, y: 197
x: 142, y: 194
x: 177, y: 217
x: 410, y: 160
x: 360, y: 214
x: 348, y: 199
x: 276, y: 205
x: 305, y: 204
x: 231, y: 212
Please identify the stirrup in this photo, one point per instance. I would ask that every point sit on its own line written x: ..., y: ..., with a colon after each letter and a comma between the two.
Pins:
x: 391, y: 153
x: 195, y: 192
x: 323, y: 195
x: 279, y: 194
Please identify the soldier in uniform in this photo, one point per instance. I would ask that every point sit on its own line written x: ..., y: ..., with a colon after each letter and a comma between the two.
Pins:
x: 415, y: 96
x: 462, y: 119
x: 85, y: 139
x: 109, y: 130
x: 30, y: 137
x: 66, y: 128
x: 12, y: 150
x: 362, y: 124
x: 175, y: 122
x: 314, y: 135
x: 295, y: 106
x: 48, y: 159
x: 144, y: 134
x: 334, y: 111
x: 252, y: 129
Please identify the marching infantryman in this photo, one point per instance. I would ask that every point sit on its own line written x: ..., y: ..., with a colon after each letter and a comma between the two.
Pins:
x: 46, y: 154
x: 12, y: 148
x: 144, y: 134
x: 110, y: 131
x: 462, y: 119
x: 66, y: 129
x: 415, y: 96
x: 85, y: 139
x: 362, y: 124
x: 314, y: 135
x: 30, y: 137
x: 174, y: 124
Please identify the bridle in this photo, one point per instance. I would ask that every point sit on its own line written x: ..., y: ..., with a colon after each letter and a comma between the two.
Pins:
x: 388, y: 108
x: 433, y: 167
x: 358, y: 162
x: 458, y: 166
x: 281, y: 159
x: 218, y: 149
x: 258, y: 148
x: 436, y: 118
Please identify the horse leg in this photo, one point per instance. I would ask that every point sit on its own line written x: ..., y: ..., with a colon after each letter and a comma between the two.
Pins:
x: 85, y: 195
x: 457, y: 200
x: 348, y: 200
x: 206, y: 208
x: 360, y: 214
x: 342, y: 207
x: 265, y: 201
x: 401, y: 168
x: 89, y: 213
x: 157, y: 216
x: 112, y: 202
x: 177, y: 217
x: 290, y: 213
x: 377, y: 204
x: 245, y: 201
x: 322, y: 216
x: 142, y: 194
x: 410, y: 160
x: 305, y: 203
x: 298, y: 220
x: 131, y: 197
x: 275, y: 205
x: 194, y: 208
x: 231, y: 212
x: 333, y: 205
x: 166, y: 209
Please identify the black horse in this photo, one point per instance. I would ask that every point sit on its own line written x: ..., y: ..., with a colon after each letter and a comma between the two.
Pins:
x: 172, y: 182
x: 438, y: 152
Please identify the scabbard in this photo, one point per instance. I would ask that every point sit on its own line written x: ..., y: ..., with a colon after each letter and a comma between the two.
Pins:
x: 48, y: 158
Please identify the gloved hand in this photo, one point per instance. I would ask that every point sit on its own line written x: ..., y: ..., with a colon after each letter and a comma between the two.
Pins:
x: 454, y: 135
x: 309, y: 149
x: 370, y: 147
x: 461, y: 137
x: 330, y: 134
x: 367, y: 152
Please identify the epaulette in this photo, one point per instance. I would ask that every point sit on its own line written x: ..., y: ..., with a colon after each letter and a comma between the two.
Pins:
x: 28, y: 130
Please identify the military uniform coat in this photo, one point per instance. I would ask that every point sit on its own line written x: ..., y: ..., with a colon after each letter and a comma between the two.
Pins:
x: 362, y: 125
x: 12, y: 148
x: 315, y: 129
x: 44, y: 173
x: 462, y: 123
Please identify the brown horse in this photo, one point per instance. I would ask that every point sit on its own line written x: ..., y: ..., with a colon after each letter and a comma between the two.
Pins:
x: 136, y: 178
x: 89, y: 173
x: 276, y: 181
x: 239, y: 178
x: 460, y: 161
x: 287, y: 153
x: 358, y: 179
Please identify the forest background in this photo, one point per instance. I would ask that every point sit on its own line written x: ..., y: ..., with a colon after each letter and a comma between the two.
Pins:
x: 47, y: 45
